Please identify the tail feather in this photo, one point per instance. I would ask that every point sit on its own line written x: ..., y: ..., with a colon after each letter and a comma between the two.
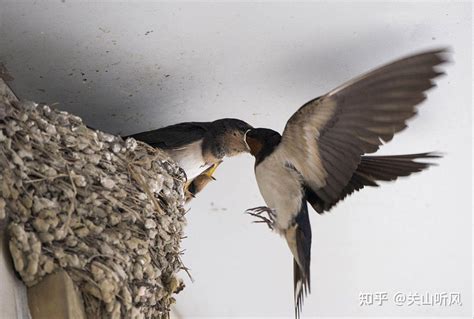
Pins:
x: 299, y: 241
x: 372, y: 169
x: 389, y: 168
x: 301, y: 287
x: 385, y: 168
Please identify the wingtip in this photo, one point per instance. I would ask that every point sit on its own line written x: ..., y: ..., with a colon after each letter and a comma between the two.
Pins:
x: 445, y: 54
x: 443, y: 49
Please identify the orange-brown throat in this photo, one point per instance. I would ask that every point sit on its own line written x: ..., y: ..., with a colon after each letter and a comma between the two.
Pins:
x: 254, y: 145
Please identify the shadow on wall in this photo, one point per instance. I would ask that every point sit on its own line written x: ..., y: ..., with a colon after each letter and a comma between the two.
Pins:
x: 122, y: 81
x: 92, y: 75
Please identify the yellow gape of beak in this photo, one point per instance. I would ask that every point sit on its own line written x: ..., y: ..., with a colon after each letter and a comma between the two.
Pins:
x: 211, y: 170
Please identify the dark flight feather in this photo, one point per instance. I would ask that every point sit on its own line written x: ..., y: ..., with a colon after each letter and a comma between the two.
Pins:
x: 301, y: 268
x: 372, y: 169
x: 173, y: 136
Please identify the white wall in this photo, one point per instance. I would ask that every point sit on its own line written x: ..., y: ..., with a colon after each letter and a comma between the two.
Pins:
x: 153, y: 64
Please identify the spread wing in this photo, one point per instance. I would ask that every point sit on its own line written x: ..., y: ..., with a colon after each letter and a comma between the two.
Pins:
x: 325, y: 139
x: 173, y: 136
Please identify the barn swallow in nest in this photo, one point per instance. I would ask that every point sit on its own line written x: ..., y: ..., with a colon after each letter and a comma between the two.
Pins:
x: 201, y: 181
x: 320, y: 156
x: 198, y: 147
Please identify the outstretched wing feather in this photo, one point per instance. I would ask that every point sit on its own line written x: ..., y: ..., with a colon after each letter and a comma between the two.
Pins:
x: 325, y: 139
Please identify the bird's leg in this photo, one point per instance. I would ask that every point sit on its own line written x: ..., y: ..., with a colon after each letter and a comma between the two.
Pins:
x: 258, y: 211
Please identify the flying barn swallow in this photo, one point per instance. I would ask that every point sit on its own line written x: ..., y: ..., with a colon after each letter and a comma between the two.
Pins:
x: 320, y: 156
x: 198, y: 147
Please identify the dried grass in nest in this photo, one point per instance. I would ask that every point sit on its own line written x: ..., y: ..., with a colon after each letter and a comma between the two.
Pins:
x: 110, y: 212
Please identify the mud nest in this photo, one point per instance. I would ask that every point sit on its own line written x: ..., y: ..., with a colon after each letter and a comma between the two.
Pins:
x: 107, y: 211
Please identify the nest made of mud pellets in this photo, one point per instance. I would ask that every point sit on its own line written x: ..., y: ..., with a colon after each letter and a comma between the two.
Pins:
x: 107, y: 211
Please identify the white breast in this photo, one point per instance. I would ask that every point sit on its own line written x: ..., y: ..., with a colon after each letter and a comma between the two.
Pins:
x: 281, y: 189
x: 190, y: 159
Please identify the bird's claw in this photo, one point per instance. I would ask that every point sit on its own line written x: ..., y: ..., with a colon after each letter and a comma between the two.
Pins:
x: 261, y: 209
x: 257, y: 212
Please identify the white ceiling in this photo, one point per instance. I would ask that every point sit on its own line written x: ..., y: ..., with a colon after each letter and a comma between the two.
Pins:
x: 129, y: 67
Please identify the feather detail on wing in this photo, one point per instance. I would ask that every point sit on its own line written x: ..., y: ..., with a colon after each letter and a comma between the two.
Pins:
x: 325, y: 139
